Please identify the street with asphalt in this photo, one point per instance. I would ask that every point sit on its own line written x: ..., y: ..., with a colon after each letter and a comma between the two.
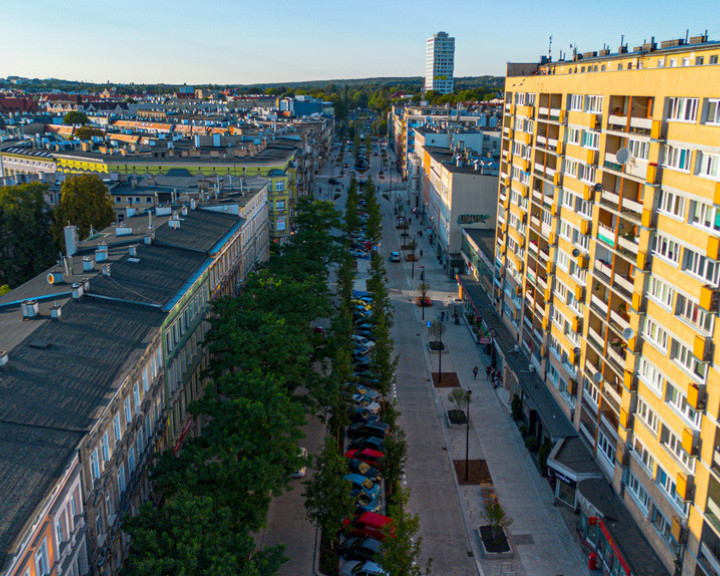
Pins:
x: 449, y: 513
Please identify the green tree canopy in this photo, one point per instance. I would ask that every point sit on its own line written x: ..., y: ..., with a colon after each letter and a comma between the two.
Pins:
x: 84, y: 202
x: 75, y: 117
x: 26, y: 248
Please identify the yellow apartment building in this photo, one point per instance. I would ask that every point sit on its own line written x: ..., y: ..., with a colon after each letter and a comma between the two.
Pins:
x: 608, y: 271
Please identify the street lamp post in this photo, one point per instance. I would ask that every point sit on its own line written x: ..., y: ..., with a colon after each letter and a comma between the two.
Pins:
x: 467, y: 436
x: 440, y: 357
x: 422, y: 281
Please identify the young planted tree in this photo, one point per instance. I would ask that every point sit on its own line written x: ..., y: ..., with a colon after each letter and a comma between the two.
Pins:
x: 497, y: 519
x: 328, y: 497
x: 402, y: 545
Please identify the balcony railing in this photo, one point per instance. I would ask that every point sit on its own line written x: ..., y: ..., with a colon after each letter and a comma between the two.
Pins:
x: 623, y: 283
x: 610, y: 198
x: 599, y: 304
x: 632, y: 205
x: 606, y: 234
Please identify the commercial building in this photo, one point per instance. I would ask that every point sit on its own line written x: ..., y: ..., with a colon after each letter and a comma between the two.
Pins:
x: 440, y: 63
x: 456, y: 175
x: 607, y: 275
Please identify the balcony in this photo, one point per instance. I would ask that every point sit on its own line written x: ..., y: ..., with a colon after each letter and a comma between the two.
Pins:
x: 632, y: 206
x: 619, y: 320
x: 629, y: 244
x: 616, y: 355
x: 595, y: 340
x: 539, y: 309
x: 603, y: 268
x: 607, y: 235
x: 542, y: 283
x: 535, y: 221
x: 610, y: 198
x: 532, y: 246
x: 641, y: 123
x: 538, y: 196
x: 544, y: 254
x: 617, y: 120
x: 623, y: 283
x: 599, y: 304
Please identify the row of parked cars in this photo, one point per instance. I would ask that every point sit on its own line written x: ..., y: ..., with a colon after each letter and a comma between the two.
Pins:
x: 365, y: 445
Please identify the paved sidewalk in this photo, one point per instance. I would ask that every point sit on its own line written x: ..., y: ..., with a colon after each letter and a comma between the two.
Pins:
x: 542, y: 543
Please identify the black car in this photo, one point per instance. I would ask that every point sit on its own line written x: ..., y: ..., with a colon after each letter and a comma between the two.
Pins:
x: 358, y: 548
x: 378, y: 429
x: 368, y: 442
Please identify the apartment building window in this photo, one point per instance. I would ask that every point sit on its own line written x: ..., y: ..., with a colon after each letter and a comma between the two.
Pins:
x: 690, y: 311
x: 667, y: 248
x: 684, y: 357
x: 131, y: 458
x: 639, y: 494
x: 593, y: 104
x: 42, y: 565
x: 661, y: 63
x: 128, y: 412
x: 583, y: 207
x: 136, y: 396
x: 581, y: 241
x: 709, y: 165
x: 571, y: 167
x: 678, y: 401
x: 639, y: 149
x: 576, y: 102
x: 677, y: 158
x: 644, y: 456
x: 116, y: 427
x: 661, y: 292
x: 105, y: 447
x: 592, y: 393
x: 99, y: 524
x: 651, y: 375
x: 682, y: 109
x: 714, y: 59
x: 574, y: 135
x: 685, y: 61
x: 122, y: 482
x: 279, y: 186
x: 712, y: 111
x: 562, y: 259
x: 606, y: 447
x: 663, y: 527
x: 671, y: 204
x: 665, y: 481
x: 591, y: 140
x: 705, y: 215
x: 699, y: 61
x: 647, y: 415
x: 701, y: 266
x: 587, y: 173
x: 673, y: 62
x: 558, y: 318
x: 655, y: 333
x: 94, y: 465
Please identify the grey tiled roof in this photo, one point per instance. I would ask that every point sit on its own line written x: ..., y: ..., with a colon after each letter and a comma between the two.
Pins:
x: 65, y: 385
x: 200, y: 230
x: 30, y: 460
x: 152, y: 279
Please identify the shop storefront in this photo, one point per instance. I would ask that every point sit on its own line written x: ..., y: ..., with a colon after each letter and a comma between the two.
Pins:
x: 569, y: 463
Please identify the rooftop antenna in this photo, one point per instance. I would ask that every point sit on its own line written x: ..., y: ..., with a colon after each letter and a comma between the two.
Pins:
x: 550, y: 49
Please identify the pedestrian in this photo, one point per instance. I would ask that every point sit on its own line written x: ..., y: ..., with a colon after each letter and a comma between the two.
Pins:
x: 421, y: 252
x: 496, y: 384
x: 487, y: 372
x: 475, y: 373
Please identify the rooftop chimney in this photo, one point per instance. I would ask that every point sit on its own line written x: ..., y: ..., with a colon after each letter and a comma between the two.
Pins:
x: 29, y: 309
x: 56, y: 312
x: 87, y: 263
x: 77, y: 291
x: 71, y: 239
x: 132, y: 250
x: 105, y: 269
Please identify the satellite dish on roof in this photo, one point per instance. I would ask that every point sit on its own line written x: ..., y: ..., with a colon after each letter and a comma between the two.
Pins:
x: 576, y: 252
x: 597, y: 377
x: 623, y: 156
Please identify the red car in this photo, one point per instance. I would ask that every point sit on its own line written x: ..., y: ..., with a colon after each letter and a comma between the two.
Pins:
x: 372, y: 457
x: 370, y: 525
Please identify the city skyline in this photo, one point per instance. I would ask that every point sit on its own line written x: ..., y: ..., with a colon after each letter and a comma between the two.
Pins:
x: 230, y: 43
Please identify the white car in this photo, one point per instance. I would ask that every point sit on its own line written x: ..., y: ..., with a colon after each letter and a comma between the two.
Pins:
x: 362, y: 341
x: 302, y: 471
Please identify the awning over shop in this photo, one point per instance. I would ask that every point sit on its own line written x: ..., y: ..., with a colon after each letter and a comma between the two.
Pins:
x: 571, y: 459
x: 538, y: 396
x: 619, y: 528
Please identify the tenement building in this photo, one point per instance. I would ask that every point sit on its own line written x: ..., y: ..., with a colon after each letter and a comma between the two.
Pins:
x: 101, y: 356
x: 607, y: 275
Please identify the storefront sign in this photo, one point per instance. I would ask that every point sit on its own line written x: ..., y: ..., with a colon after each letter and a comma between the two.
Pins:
x: 484, y: 340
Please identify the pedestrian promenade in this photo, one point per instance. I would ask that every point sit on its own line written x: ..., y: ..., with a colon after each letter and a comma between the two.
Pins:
x: 542, y: 543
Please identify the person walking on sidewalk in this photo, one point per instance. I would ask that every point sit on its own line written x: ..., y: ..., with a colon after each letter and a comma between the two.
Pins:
x: 487, y: 372
x: 475, y: 373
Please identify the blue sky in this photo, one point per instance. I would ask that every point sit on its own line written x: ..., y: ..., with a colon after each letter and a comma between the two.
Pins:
x: 244, y: 42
